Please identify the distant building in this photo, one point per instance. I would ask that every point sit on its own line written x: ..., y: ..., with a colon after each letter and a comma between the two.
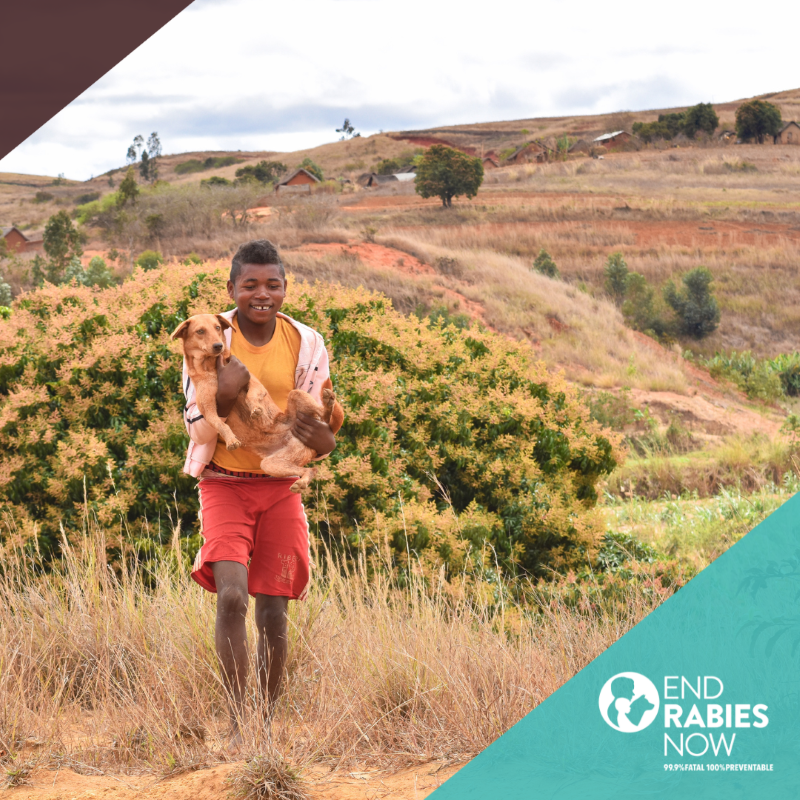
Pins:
x: 788, y: 134
x: 490, y: 162
x: 532, y: 151
x: 300, y: 180
x: 581, y: 146
x: 371, y: 179
x: 17, y: 242
x: 614, y: 139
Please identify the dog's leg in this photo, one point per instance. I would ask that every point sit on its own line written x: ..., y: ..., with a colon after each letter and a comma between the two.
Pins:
x: 328, y: 402
x: 279, y: 467
x: 258, y: 400
x: 207, y: 403
x: 304, y: 402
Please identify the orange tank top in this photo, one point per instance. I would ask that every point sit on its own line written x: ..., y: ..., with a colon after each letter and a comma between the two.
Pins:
x: 275, y: 365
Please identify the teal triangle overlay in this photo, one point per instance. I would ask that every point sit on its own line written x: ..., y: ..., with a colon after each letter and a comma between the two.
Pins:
x: 738, y: 620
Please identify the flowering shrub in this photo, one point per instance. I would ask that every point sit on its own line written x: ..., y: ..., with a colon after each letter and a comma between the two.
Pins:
x: 456, y: 443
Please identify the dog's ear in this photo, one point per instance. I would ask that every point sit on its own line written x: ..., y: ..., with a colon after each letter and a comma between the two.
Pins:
x: 222, y: 321
x: 181, y: 331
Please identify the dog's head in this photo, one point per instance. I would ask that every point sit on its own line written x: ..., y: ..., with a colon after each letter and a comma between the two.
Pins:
x: 203, y: 335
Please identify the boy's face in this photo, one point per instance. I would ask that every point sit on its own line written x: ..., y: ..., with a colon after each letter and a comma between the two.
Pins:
x: 258, y: 292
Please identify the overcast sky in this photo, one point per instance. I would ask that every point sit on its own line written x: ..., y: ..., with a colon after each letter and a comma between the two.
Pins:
x: 259, y: 75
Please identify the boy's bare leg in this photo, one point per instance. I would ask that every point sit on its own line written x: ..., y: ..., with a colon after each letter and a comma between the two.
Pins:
x: 273, y: 644
x: 230, y: 635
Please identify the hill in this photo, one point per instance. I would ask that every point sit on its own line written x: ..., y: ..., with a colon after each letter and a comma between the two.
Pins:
x: 731, y: 208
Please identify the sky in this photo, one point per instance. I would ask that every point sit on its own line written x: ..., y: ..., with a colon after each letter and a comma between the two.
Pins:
x: 261, y: 75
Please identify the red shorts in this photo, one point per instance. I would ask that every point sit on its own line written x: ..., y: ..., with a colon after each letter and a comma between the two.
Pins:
x: 257, y: 522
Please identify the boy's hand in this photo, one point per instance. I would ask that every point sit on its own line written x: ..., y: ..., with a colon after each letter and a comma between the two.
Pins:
x: 231, y: 379
x: 314, y: 433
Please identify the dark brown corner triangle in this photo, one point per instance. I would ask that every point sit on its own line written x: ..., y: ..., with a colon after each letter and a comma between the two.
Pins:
x: 52, y: 50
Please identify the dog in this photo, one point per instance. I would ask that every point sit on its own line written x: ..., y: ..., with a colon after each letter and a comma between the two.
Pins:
x: 255, y: 422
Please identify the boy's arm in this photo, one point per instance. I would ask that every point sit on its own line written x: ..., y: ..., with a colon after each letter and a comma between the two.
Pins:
x: 316, y: 434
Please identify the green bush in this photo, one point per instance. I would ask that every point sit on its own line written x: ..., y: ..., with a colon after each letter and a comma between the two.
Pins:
x: 263, y: 172
x: 759, y: 378
x: 150, y: 259
x: 212, y: 162
x: 192, y: 258
x: 89, y: 197
x: 43, y: 197
x: 98, y: 274
x: 544, y: 264
x: 695, y: 306
x: 216, y: 180
x: 5, y: 293
x: 616, y: 274
x: 453, y: 440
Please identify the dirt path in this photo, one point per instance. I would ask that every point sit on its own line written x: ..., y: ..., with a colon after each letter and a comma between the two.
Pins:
x: 387, y: 258
x: 210, y: 784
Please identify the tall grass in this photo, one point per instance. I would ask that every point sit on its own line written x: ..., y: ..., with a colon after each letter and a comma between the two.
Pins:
x: 110, y: 666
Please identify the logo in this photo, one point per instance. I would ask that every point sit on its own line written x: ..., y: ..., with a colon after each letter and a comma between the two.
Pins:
x: 629, y: 702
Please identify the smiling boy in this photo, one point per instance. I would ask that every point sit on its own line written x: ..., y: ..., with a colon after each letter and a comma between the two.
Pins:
x: 254, y: 528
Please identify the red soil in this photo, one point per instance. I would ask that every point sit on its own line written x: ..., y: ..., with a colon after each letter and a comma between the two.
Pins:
x: 209, y: 784
x: 388, y: 259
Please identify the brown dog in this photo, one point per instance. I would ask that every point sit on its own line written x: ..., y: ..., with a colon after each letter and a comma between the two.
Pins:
x: 255, y: 421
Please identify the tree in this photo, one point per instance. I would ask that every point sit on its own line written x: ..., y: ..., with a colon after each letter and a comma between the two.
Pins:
x: 447, y: 173
x: 638, y: 307
x: 545, y: 265
x: 62, y: 243
x: 347, y: 131
x: 98, y: 274
x: 128, y: 189
x: 757, y: 119
x: 263, y: 172
x: 150, y: 259
x: 700, y: 118
x: 312, y: 167
x: 616, y: 272
x: 695, y: 306
x: 147, y: 155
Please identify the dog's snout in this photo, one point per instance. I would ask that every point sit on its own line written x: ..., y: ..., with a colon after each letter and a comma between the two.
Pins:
x: 217, y: 347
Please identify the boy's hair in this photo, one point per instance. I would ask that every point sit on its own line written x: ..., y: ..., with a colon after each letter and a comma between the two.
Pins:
x: 259, y: 251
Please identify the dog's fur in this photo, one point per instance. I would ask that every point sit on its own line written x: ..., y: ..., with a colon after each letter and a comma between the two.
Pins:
x: 255, y: 421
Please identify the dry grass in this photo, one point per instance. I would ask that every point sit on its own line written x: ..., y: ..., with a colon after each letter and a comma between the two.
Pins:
x: 745, y: 463
x: 111, y: 668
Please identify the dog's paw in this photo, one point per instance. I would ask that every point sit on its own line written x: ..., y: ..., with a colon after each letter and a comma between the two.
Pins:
x: 296, y: 488
x: 257, y: 412
x: 233, y: 444
x: 328, y: 397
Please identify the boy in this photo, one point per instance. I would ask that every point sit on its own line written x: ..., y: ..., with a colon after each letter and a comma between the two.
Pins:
x: 254, y: 529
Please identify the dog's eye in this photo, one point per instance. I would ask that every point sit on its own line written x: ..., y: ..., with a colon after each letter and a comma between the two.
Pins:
x: 218, y: 328
x: 200, y: 331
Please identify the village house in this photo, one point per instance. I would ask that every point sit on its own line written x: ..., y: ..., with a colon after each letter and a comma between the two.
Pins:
x: 489, y: 162
x: 531, y: 151
x: 614, y: 139
x: 17, y: 242
x: 788, y: 134
x: 372, y: 179
x: 581, y: 146
x: 301, y: 180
